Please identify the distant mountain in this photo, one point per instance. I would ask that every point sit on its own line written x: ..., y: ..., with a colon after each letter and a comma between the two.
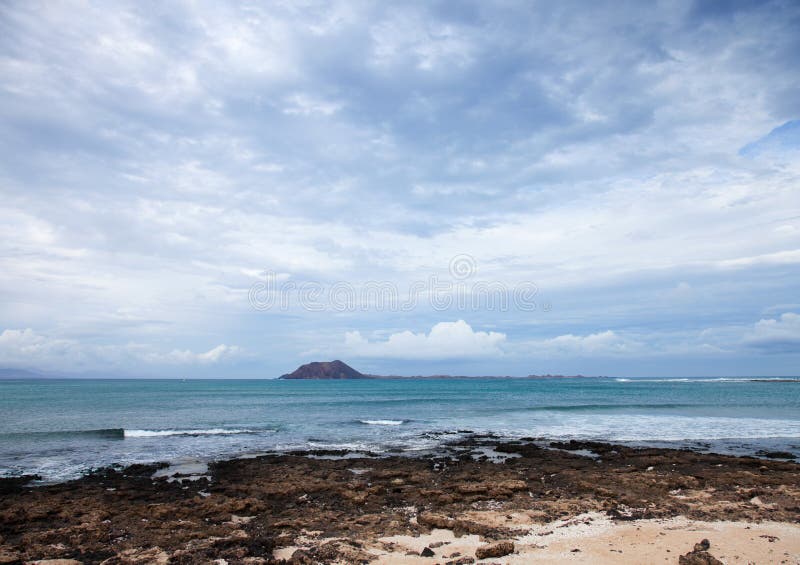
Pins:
x: 8, y: 373
x: 331, y: 370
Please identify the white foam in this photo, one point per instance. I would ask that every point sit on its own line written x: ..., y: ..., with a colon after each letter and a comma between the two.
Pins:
x: 639, y: 427
x: 707, y: 380
x: 163, y: 433
x: 382, y: 422
x: 344, y: 446
x: 180, y: 471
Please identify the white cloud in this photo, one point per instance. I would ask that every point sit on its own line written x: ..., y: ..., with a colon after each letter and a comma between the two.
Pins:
x: 407, y: 37
x: 187, y: 357
x: 606, y: 343
x: 445, y: 340
x: 25, y: 345
x: 29, y: 349
x: 306, y: 104
x: 776, y: 335
x: 788, y: 257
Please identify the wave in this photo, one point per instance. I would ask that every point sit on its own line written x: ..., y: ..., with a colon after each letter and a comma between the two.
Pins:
x: 121, y: 433
x: 675, y: 380
x: 590, y: 407
x: 712, y: 380
x: 383, y: 422
x: 201, y: 432
x: 652, y: 427
x: 334, y: 445
x: 112, y: 433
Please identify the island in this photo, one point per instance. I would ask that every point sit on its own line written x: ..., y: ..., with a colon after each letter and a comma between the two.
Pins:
x: 328, y: 370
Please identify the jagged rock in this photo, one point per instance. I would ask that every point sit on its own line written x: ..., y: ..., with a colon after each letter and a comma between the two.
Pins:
x: 435, y: 521
x: 513, y: 485
x: 15, y: 484
x: 427, y: 552
x: 498, y: 549
x: 7, y: 556
x: 151, y: 555
x: 460, y: 527
x: 348, y: 551
x: 461, y: 561
x: 775, y: 454
x: 301, y: 557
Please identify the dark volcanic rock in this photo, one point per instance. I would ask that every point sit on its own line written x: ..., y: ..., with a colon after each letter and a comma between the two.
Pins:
x: 14, y: 484
x: 775, y: 454
x: 301, y: 557
x: 335, y: 370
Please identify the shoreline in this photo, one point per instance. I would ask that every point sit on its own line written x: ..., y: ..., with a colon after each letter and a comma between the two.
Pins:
x: 430, y: 443
x: 323, y: 506
x: 446, y: 443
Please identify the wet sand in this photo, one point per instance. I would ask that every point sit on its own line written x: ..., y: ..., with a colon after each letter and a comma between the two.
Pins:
x: 577, y: 502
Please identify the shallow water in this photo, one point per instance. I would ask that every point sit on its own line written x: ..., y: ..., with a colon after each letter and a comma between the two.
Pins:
x: 62, y: 428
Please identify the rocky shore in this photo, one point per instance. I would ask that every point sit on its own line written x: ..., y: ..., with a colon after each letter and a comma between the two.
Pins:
x: 479, y: 500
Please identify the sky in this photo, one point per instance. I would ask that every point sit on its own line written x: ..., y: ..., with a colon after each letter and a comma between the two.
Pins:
x: 211, y: 189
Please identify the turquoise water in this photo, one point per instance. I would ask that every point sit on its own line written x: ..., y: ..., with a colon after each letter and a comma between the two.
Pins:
x: 61, y: 428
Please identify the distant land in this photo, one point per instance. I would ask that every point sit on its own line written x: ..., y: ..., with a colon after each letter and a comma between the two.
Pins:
x: 339, y: 370
x: 21, y: 374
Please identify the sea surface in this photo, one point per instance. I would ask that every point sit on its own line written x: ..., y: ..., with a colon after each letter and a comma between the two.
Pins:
x: 60, y: 429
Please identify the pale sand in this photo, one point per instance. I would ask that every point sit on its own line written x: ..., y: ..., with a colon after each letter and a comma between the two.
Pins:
x: 599, y: 540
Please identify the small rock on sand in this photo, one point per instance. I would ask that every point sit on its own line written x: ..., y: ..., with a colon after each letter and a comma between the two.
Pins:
x: 699, y: 555
x: 498, y: 549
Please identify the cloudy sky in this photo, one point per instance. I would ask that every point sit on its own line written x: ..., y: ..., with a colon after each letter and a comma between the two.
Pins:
x: 203, y: 189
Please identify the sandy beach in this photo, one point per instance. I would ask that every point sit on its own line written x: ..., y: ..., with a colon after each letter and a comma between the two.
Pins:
x: 479, y: 500
x: 594, y: 538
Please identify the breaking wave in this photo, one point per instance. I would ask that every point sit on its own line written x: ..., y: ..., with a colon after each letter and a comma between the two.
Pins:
x: 383, y: 422
x: 163, y: 433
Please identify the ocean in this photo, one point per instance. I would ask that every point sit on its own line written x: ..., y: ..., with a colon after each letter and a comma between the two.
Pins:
x: 60, y: 429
